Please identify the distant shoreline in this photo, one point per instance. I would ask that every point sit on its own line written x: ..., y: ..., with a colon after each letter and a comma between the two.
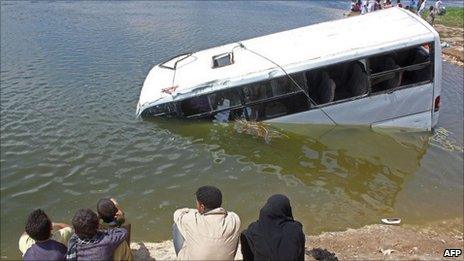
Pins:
x: 376, y: 241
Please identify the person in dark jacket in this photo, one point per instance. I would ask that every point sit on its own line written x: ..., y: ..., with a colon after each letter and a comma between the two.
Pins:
x: 276, y: 235
x: 112, y: 215
x: 89, y: 243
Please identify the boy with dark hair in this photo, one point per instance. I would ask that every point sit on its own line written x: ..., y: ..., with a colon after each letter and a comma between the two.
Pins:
x: 39, y: 243
x: 89, y: 243
x: 112, y: 216
x: 208, y: 232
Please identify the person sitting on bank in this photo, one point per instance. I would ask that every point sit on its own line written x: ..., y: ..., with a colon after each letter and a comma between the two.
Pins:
x: 44, y: 240
x: 208, y: 232
x: 112, y: 216
x: 89, y: 243
x: 276, y: 235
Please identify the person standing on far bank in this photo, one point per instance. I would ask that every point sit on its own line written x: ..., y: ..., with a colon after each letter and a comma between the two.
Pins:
x: 208, y: 232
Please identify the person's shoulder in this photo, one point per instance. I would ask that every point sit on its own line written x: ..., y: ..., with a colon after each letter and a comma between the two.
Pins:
x: 183, y: 213
x: 184, y: 210
x: 295, y: 226
x: 57, y: 245
x: 117, y: 230
x: 233, y: 218
x: 233, y: 215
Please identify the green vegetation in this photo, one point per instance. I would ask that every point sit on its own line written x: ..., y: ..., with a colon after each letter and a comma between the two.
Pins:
x: 453, y: 17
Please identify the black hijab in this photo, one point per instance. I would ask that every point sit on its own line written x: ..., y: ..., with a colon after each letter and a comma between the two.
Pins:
x: 275, y: 236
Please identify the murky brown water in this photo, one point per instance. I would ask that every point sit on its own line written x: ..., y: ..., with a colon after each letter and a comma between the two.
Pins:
x: 70, y: 79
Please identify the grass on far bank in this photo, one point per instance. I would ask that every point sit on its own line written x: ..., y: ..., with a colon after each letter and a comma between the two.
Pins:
x: 454, y: 17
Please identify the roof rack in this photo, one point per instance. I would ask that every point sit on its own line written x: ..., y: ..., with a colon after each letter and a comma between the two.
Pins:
x: 162, y: 65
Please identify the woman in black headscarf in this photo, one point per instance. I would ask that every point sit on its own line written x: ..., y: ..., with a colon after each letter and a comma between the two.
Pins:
x: 275, y: 236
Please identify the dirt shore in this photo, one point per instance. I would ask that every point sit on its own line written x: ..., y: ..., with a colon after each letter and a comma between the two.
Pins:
x: 373, y: 242
x: 454, y: 37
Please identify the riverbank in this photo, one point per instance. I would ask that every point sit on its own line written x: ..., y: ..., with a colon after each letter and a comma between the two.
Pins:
x: 377, y: 241
x: 450, y: 27
x: 453, y: 38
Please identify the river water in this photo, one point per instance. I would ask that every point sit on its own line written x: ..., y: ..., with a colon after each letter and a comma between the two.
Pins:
x: 71, y: 74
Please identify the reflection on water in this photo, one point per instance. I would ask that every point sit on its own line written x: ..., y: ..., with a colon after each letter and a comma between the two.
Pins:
x: 363, y: 165
x: 70, y: 78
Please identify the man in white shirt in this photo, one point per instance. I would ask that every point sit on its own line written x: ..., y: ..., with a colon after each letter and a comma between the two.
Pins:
x: 440, y: 8
x: 422, y: 7
x: 208, y: 232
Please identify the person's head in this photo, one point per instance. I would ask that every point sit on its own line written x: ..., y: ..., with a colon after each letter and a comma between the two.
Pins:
x: 431, y: 8
x: 322, y: 254
x: 106, y: 210
x: 277, y: 207
x: 38, y: 225
x: 208, y: 197
x: 85, y: 223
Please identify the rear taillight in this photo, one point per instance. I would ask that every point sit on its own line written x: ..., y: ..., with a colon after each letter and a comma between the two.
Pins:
x: 436, y: 106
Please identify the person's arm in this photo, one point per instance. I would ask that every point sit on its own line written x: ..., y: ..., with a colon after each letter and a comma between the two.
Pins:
x: 117, y: 236
x: 58, y: 226
x: 178, y: 214
x: 25, y: 242
x: 120, y: 213
x: 245, y: 247
x: 302, y: 241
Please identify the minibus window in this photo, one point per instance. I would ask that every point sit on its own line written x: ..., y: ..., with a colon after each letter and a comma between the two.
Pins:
x: 167, y: 109
x: 273, y: 98
x: 337, y: 82
x: 285, y: 105
x: 401, y: 68
x: 195, y: 105
x: 222, y: 101
x: 225, y: 99
x: 269, y: 89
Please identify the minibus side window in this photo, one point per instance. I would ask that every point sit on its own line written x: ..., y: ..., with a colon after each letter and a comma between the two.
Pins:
x: 195, y: 105
x: 401, y: 68
x: 276, y: 97
x: 167, y: 109
x: 337, y: 82
x: 221, y: 103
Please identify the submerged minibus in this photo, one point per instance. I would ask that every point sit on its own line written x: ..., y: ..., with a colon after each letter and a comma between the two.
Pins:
x: 382, y: 69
